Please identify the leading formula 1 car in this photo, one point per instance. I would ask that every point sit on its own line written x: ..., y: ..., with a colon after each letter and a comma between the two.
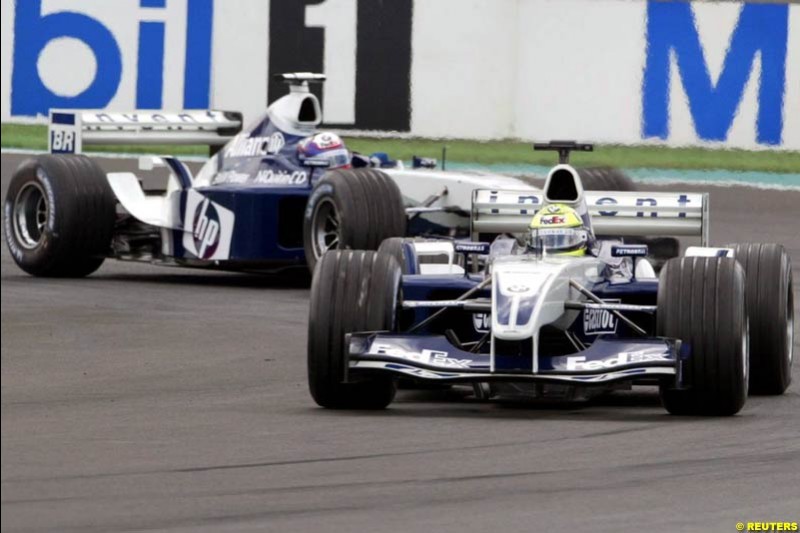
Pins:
x: 276, y: 194
x: 555, y: 312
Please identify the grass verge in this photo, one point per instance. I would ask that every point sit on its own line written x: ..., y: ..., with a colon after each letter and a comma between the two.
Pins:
x: 34, y: 137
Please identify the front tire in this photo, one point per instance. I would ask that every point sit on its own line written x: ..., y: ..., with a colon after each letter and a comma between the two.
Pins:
x: 402, y: 250
x: 352, y: 291
x: 701, y: 301
x: 352, y: 209
x: 770, y: 297
x: 59, y: 216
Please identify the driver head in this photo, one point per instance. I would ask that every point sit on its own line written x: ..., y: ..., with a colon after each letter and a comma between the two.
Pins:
x: 557, y: 229
x: 325, y: 146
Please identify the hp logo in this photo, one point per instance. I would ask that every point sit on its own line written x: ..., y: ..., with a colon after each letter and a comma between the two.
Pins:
x: 205, y: 229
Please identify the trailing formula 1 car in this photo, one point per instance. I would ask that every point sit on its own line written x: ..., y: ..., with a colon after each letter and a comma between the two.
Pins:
x: 273, y: 195
x: 244, y: 210
x: 554, y: 311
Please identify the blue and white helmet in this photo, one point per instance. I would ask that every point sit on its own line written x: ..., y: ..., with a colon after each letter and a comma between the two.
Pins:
x: 325, y: 146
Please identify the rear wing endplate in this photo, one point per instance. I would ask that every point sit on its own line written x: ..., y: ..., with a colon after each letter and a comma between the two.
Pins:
x: 70, y: 130
x: 612, y: 212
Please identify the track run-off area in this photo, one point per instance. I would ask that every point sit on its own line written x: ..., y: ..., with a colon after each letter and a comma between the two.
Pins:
x: 151, y: 398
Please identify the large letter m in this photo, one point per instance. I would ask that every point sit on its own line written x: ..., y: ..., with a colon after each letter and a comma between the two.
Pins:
x: 761, y: 28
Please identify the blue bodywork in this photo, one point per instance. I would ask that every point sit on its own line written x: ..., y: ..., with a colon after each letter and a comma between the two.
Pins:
x: 268, y: 224
x: 261, y: 180
x: 253, y: 194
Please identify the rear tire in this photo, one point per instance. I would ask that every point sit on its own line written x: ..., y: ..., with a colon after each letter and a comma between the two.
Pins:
x: 352, y: 209
x: 605, y: 179
x: 352, y: 291
x: 59, y: 216
x: 701, y: 301
x: 770, y: 299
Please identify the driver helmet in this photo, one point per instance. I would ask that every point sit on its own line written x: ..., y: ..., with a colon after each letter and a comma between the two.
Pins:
x: 557, y: 229
x: 325, y: 146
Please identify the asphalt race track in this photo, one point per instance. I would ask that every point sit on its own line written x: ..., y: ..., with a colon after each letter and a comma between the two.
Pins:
x: 145, y: 398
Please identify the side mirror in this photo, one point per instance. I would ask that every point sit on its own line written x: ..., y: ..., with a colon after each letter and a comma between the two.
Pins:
x: 629, y: 250
x: 466, y: 248
x: 471, y: 249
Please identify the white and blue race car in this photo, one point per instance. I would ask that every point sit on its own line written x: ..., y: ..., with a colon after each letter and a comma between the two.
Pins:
x: 510, y: 321
x: 263, y: 202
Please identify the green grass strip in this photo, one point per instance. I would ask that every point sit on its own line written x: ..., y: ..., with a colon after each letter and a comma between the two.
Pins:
x: 34, y: 137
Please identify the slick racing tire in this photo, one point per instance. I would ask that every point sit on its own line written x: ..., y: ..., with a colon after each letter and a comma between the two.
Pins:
x: 402, y: 249
x: 403, y: 252
x: 352, y: 291
x: 701, y: 301
x: 770, y: 300
x: 352, y: 209
x: 605, y: 179
x: 59, y: 216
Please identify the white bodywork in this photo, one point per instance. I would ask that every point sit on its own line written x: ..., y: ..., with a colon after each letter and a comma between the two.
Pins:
x: 455, y: 188
x: 516, y: 279
x: 437, y: 249
x: 153, y: 210
x: 506, y: 204
x: 612, y: 212
x: 158, y: 210
x: 699, y: 251
x: 418, y: 185
x: 87, y: 127
x: 542, y: 284
x: 285, y: 111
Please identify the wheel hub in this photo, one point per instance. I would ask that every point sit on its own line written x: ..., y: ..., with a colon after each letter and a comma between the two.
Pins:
x: 325, y: 227
x: 30, y: 213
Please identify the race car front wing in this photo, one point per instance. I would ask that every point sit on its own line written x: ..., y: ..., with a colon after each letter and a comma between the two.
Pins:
x: 435, y: 358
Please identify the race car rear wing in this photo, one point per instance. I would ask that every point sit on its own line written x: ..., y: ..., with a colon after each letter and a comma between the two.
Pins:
x: 612, y: 212
x: 70, y: 130
x: 298, y: 78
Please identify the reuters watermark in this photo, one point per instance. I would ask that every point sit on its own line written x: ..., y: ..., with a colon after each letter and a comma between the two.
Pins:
x: 766, y: 526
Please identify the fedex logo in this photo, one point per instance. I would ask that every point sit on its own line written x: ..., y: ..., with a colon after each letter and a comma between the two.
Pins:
x: 759, y: 37
x: 553, y: 219
x: 653, y: 355
x: 73, y: 54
